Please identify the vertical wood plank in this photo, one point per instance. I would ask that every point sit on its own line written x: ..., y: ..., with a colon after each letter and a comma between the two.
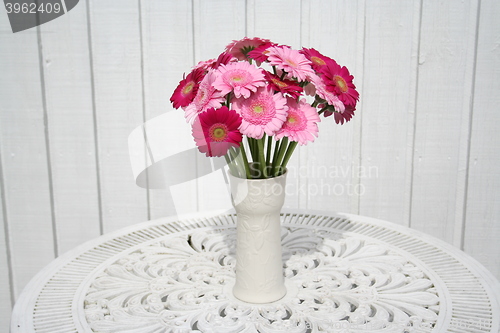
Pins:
x: 68, y: 93
x: 216, y: 24
x: 388, y: 110
x: 167, y: 40
x: 5, y: 295
x: 116, y: 58
x: 444, y: 80
x: 336, y: 29
x: 482, y: 228
x: 24, y: 155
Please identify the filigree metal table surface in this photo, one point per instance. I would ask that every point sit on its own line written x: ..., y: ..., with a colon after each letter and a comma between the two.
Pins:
x: 344, y: 273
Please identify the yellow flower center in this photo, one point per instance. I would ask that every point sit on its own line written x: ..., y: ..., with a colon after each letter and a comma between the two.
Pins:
x: 340, y: 82
x: 218, y: 132
x: 318, y: 61
x: 188, y: 88
x: 258, y: 108
x: 279, y: 83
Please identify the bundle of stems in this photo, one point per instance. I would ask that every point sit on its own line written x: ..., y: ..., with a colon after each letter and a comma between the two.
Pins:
x: 263, y: 160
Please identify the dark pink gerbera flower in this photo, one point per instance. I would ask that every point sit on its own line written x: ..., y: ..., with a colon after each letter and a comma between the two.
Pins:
x: 240, y: 48
x: 340, y: 117
x: 284, y: 86
x: 318, y: 61
x: 223, y: 59
x: 339, y: 80
x: 259, y: 54
x: 186, y: 90
x: 216, y: 130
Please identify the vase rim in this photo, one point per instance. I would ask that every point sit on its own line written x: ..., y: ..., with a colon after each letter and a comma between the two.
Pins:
x: 258, y: 179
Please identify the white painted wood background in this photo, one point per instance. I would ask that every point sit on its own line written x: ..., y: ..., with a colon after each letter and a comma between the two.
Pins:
x: 425, y: 136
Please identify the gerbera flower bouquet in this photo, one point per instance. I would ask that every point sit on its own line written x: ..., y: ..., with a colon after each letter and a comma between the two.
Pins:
x: 258, y: 100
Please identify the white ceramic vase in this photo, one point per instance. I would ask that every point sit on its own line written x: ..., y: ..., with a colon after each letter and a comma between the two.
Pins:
x: 259, y: 265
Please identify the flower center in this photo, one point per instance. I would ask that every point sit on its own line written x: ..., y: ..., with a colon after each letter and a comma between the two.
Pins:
x: 340, y: 83
x: 295, y: 121
x: 218, y: 132
x: 236, y: 78
x: 258, y: 108
x: 188, y: 88
x: 318, y: 61
x: 279, y: 84
x: 291, y: 63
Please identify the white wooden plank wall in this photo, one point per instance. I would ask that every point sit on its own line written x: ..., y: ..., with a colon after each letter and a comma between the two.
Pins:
x: 422, y: 150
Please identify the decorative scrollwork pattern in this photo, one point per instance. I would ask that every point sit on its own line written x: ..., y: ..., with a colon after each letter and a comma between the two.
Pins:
x: 337, y: 283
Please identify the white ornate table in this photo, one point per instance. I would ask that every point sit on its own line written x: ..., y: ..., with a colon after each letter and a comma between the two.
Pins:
x: 344, y: 273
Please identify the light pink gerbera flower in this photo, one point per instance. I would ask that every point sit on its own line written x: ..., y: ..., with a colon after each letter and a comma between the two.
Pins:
x: 327, y: 94
x: 240, y: 77
x: 291, y: 61
x: 206, y: 97
x: 301, y: 122
x: 240, y: 48
x: 215, y: 131
x: 263, y: 112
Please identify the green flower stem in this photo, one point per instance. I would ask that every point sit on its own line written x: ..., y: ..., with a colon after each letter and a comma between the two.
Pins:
x: 232, y: 168
x: 245, y: 160
x: 269, y: 146
x: 314, y: 104
x: 261, y: 158
x: 275, y: 156
x: 237, y: 168
x: 281, y: 153
x: 288, y: 154
x: 251, y: 146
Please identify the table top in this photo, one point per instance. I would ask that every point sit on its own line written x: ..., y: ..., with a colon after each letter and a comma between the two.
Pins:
x: 343, y: 272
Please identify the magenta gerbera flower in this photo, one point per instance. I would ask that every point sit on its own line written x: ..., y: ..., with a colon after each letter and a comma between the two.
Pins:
x: 284, y: 86
x: 187, y: 89
x: 340, y: 117
x: 216, y: 130
x: 301, y: 122
x: 338, y: 80
x: 263, y: 112
x: 240, y: 48
x: 241, y: 77
x: 206, y: 97
x: 318, y: 61
x: 223, y: 59
x: 259, y: 54
x: 291, y: 61
x: 326, y: 93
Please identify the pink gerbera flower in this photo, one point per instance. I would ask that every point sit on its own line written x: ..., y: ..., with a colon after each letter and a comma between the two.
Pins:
x: 318, y: 61
x: 206, y: 97
x: 240, y: 48
x: 241, y: 77
x: 263, y: 112
x: 284, y: 86
x: 301, y: 122
x: 291, y: 61
x: 340, y: 117
x: 215, y: 131
x: 259, y: 54
x: 223, y: 59
x: 187, y: 89
x: 338, y: 80
x: 326, y: 94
